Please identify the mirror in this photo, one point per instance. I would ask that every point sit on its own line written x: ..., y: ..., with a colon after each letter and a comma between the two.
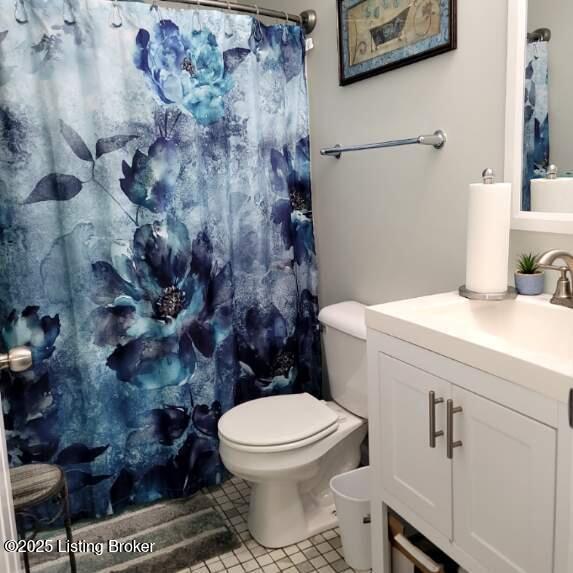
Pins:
x: 548, y: 117
x: 539, y: 124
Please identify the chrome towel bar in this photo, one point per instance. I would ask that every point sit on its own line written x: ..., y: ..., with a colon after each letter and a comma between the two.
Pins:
x: 437, y: 140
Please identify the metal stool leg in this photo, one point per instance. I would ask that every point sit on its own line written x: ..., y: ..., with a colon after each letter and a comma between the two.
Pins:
x: 68, y: 526
x: 22, y: 534
x: 26, y: 561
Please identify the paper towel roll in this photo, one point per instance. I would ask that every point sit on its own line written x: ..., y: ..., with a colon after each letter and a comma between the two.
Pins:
x: 552, y: 195
x: 489, y: 215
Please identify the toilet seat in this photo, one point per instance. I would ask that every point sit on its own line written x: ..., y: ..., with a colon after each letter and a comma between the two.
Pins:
x: 280, y: 447
x: 277, y: 423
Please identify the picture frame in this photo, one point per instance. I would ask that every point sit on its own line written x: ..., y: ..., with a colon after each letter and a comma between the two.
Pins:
x: 377, y: 36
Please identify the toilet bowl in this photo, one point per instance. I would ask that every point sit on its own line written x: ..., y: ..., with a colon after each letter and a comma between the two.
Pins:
x: 289, y: 447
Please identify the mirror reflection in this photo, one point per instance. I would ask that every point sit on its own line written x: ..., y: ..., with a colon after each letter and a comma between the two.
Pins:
x: 548, y: 109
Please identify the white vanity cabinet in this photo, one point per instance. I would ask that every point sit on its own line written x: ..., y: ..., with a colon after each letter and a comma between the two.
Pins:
x: 498, y: 502
x: 496, y: 497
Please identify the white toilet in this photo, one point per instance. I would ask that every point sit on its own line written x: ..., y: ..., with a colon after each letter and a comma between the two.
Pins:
x: 288, y: 447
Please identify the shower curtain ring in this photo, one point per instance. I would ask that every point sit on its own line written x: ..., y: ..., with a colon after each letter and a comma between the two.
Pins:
x: 156, y: 10
x: 228, y: 32
x: 196, y: 25
x: 20, y: 12
x: 116, y: 19
x: 258, y: 34
x: 285, y: 29
x: 69, y: 16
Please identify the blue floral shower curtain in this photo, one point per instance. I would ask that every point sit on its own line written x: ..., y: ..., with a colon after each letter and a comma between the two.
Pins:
x: 156, y: 238
x: 536, y: 127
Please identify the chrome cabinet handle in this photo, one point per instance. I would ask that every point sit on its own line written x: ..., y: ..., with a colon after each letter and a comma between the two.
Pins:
x: 450, y: 443
x: 432, y: 411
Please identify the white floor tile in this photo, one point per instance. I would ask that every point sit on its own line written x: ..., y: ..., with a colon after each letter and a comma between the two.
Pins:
x: 320, y: 554
x: 277, y: 554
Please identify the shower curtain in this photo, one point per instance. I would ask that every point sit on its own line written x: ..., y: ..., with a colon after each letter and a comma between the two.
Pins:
x: 536, y: 126
x: 156, y: 238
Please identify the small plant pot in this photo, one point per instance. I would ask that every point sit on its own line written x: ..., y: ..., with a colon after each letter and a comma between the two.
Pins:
x: 530, y: 284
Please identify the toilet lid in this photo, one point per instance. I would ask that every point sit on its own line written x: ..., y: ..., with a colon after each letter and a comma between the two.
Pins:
x: 277, y: 420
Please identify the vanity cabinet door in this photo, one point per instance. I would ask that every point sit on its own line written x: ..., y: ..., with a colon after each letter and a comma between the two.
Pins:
x: 415, y: 473
x: 504, y: 486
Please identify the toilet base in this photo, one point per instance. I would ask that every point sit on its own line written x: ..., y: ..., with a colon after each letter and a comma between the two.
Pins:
x: 296, y: 523
x: 287, y: 511
x: 290, y: 490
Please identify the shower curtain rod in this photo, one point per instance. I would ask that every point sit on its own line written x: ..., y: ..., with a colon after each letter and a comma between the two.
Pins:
x: 539, y: 35
x: 306, y: 19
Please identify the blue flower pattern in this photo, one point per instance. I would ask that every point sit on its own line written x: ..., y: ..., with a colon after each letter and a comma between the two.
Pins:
x: 160, y: 255
x: 170, y: 301
x: 293, y: 207
x: 151, y: 179
x: 184, y: 69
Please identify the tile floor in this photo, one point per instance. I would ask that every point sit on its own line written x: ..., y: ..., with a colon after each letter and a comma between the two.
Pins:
x: 321, y: 553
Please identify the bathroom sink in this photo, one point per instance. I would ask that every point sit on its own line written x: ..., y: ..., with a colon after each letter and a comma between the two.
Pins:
x: 527, y: 340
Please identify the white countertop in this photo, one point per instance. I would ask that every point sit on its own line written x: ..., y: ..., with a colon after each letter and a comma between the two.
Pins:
x: 527, y: 341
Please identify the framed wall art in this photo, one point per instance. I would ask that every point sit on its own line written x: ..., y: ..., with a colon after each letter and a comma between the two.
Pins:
x: 377, y: 36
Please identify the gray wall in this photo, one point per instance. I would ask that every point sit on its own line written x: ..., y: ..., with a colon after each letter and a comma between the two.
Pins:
x: 392, y: 224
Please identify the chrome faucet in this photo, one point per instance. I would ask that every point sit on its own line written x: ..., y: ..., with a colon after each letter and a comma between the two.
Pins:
x: 563, y: 294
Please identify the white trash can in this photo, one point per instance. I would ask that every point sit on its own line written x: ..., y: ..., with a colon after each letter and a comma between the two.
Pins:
x: 352, y: 498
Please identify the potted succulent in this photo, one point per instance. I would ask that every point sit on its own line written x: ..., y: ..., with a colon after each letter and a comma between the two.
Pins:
x: 529, y: 278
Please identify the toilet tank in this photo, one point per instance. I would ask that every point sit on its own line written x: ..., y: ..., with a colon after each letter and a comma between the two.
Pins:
x: 344, y: 337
